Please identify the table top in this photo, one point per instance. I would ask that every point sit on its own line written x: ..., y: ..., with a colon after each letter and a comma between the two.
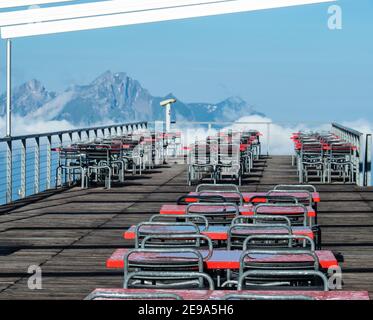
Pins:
x: 181, y: 209
x: 221, y: 259
x: 214, y: 232
x: 218, y: 294
x: 245, y: 210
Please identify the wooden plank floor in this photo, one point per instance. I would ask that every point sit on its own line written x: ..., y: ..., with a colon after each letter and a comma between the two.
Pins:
x: 70, y: 234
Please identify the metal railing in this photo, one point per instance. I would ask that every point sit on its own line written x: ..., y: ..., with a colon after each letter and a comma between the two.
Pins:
x: 28, y: 166
x: 363, y: 151
x: 27, y: 163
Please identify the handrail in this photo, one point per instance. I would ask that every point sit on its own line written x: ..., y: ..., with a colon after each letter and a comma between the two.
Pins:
x: 346, y: 129
x: 356, y: 138
x: 77, y: 130
x: 21, y: 150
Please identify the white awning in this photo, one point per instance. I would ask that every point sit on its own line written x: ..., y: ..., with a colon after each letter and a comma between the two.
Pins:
x: 105, y: 14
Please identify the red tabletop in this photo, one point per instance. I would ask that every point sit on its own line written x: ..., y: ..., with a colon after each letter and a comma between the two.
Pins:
x: 218, y: 294
x: 245, y: 210
x: 181, y: 209
x: 214, y: 232
x: 248, y: 195
x: 222, y: 259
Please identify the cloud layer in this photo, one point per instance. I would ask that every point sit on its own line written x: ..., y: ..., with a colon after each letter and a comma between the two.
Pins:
x: 279, y: 133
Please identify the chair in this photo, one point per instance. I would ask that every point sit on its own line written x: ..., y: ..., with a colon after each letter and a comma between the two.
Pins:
x: 295, y: 187
x: 168, y: 280
x: 228, y: 196
x: 253, y: 260
x: 192, y: 241
x: 284, y: 241
x: 187, y: 199
x: 303, y: 196
x: 103, y: 295
x: 216, y: 213
x: 283, y: 280
x: 248, y: 296
x: 200, y: 220
x: 217, y: 187
x: 296, y: 213
x: 239, y: 232
x: 163, y: 267
x: 145, y: 229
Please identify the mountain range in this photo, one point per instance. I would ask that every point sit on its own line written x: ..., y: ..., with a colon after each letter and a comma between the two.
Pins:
x: 114, y: 97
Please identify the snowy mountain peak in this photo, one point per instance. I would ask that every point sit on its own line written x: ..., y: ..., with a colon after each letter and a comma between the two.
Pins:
x: 27, y: 98
x: 114, y: 97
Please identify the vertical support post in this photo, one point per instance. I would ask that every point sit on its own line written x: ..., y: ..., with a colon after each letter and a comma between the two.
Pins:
x: 9, y: 166
x: 8, y: 88
x: 168, y: 117
x: 9, y: 178
x: 59, y: 173
x: 22, y: 192
x: 268, y: 137
x: 37, y: 165
x: 49, y: 162
x: 360, y: 181
x: 368, y: 161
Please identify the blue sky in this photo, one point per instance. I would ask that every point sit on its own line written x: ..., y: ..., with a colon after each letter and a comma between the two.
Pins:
x: 285, y: 62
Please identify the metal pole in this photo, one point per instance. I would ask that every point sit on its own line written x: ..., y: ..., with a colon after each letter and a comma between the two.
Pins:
x: 49, y: 161
x: 37, y: 165
x: 368, y: 160
x: 9, y: 176
x: 23, y: 168
x: 268, y: 138
x: 59, y: 173
x: 8, y: 88
x: 361, y: 162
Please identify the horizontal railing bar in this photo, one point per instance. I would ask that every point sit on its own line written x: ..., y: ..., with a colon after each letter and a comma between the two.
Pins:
x: 56, y: 133
x: 349, y: 130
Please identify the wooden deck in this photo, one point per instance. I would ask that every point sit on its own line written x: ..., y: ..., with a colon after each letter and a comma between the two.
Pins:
x: 70, y: 234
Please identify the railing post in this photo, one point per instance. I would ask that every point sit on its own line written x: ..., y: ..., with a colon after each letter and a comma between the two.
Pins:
x: 8, y: 87
x: 22, y: 192
x: 268, y: 138
x: 368, y: 161
x: 59, y: 174
x: 361, y: 162
x: 9, y: 175
x: 37, y: 165
x: 49, y: 162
